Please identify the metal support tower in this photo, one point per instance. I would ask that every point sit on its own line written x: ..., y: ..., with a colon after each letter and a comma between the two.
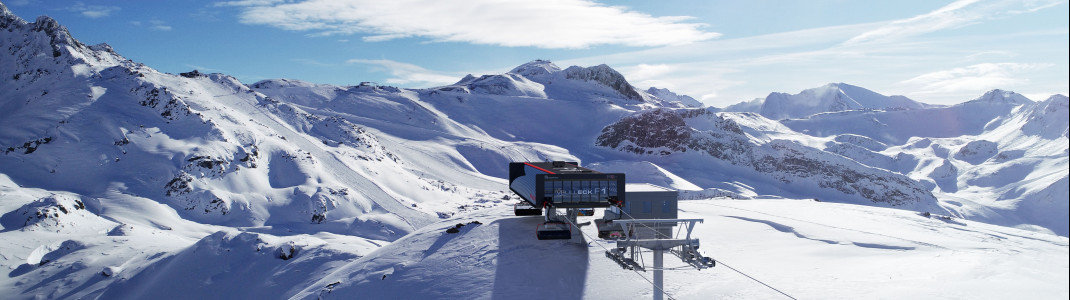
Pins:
x: 637, y: 234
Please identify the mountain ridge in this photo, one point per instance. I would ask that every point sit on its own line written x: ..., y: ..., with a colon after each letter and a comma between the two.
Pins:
x: 98, y: 71
x: 832, y: 97
x: 200, y: 176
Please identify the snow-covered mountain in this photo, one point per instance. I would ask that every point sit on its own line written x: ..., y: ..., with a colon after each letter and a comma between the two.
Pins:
x: 994, y: 158
x: 746, y: 148
x: 899, y: 126
x: 832, y: 97
x: 544, y: 79
x: 119, y: 181
x: 86, y: 120
x: 672, y: 99
x: 752, y: 155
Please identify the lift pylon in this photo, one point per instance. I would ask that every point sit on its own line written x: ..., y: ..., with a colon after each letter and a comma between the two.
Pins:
x: 647, y: 233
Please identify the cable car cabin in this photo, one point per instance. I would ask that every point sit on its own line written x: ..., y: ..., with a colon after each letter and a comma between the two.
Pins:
x: 547, y: 186
x: 564, y: 185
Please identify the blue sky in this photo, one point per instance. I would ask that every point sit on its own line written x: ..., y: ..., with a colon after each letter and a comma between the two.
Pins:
x: 721, y: 52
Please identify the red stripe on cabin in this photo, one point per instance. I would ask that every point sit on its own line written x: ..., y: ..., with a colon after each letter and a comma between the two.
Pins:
x: 540, y: 169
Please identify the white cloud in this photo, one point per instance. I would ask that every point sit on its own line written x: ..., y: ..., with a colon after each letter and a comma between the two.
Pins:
x: 701, y: 80
x: 407, y: 74
x: 979, y: 77
x: 155, y: 25
x: 93, y: 11
x: 248, y: 3
x: 98, y: 13
x: 644, y: 73
x: 158, y: 25
x: 512, y: 23
x: 955, y: 15
x: 726, y: 71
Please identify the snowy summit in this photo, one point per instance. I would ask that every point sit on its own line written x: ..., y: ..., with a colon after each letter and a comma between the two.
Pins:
x: 118, y: 181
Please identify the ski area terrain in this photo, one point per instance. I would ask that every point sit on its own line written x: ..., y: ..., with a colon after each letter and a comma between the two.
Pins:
x: 118, y: 181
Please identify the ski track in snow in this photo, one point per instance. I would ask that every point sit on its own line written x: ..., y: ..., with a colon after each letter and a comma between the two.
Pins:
x: 119, y: 181
x: 789, y: 229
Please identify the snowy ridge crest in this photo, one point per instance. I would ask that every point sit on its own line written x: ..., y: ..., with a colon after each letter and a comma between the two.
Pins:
x: 536, y: 69
x: 833, y: 97
x: 998, y: 96
x: 606, y: 76
x: 58, y: 213
x: 543, y: 79
x: 195, y: 184
x: 63, y: 46
x: 671, y: 99
x: 665, y: 133
x: 1047, y: 118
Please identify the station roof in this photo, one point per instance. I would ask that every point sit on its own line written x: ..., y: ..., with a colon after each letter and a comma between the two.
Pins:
x: 645, y: 187
x: 561, y: 167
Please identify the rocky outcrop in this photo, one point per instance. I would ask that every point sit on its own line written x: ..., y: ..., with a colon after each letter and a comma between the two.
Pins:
x: 606, y: 76
x: 656, y: 132
x: 665, y: 132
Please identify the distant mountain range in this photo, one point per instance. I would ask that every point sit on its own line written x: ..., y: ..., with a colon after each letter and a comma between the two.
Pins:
x: 101, y: 151
x: 832, y: 97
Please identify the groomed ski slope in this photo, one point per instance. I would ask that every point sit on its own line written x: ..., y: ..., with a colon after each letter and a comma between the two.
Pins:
x: 806, y: 249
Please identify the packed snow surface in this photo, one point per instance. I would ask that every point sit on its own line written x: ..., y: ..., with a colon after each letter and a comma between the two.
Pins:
x: 120, y: 181
x: 804, y: 248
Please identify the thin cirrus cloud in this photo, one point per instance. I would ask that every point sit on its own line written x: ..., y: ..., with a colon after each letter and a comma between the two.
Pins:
x: 884, y: 56
x: 972, y: 78
x: 407, y: 74
x: 954, y: 15
x: 159, y: 25
x: 155, y: 25
x: 93, y: 11
x: 567, y: 24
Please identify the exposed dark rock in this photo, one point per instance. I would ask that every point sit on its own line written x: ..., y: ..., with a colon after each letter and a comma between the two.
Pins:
x: 192, y: 74
x: 457, y: 228
x: 607, y: 76
x: 665, y: 132
x: 179, y: 185
x: 655, y: 129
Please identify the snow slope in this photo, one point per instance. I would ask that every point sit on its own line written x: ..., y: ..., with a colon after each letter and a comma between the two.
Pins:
x: 898, y: 126
x: 997, y: 158
x: 832, y: 97
x: 671, y: 99
x: 118, y: 181
x: 742, y: 150
x: 129, y: 247
x: 215, y: 136
x: 88, y: 121
x: 804, y: 248
x: 778, y: 242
